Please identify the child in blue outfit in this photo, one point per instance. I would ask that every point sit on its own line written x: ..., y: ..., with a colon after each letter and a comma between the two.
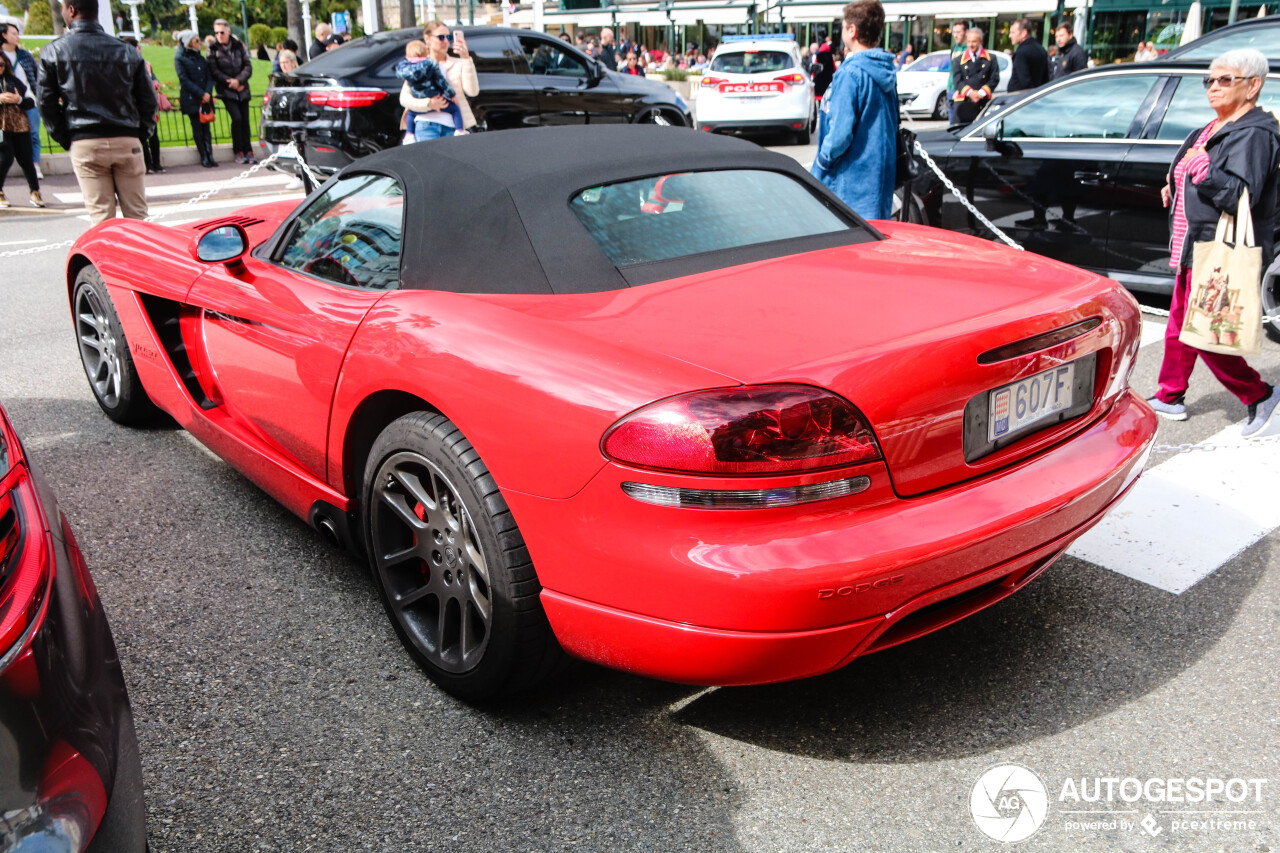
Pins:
x: 426, y: 80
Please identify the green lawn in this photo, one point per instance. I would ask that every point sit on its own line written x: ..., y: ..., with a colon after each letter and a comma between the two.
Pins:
x: 173, y: 127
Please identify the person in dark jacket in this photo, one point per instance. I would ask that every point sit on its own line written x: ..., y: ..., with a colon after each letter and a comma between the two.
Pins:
x: 1030, y: 59
x: 959, y: 31
x: 824, y: 68
x: 24, y: 66
x: 976, y: 78
x: 97, y: 101
x: 16, y: 144
x: 1237, y: 151
x: 195, y: 82
x: 321, y: 42
x: 1070, y: 57
x: 229, y: 62
x: 289, y: 45
x: 858, y: 126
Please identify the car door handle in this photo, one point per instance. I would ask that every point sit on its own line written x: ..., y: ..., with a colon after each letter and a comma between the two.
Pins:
x: 1091, y: 179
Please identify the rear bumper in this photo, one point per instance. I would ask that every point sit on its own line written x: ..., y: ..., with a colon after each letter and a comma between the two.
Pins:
x: 792, y: 123
x: 724, y: 597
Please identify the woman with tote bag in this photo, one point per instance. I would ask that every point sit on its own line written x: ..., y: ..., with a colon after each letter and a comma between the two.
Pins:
x: 1237, y: 153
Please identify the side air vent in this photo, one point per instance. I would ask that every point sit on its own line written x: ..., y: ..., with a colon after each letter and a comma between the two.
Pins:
x: 242, y: 221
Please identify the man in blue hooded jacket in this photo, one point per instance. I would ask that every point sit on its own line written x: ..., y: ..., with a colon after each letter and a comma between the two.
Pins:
x: 858, y: 130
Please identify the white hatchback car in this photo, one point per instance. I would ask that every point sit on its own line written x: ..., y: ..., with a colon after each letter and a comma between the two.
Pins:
x: 922, y: 85
x: 757, y: 83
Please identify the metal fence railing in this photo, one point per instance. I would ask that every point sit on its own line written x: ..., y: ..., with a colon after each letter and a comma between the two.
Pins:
x: 175, y: 128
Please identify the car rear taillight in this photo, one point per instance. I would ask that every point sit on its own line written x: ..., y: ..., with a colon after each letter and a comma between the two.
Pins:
x: 793, y: 79
x: 345, y: 99
x: 761, y: 429
x: 26, y: 559
x: 709, y: 82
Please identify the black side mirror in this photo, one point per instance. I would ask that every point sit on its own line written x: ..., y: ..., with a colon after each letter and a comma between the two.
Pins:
x: 222, y: 245
x: 993, y: 133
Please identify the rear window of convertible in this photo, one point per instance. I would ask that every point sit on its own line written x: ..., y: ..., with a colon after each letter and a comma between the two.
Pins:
x: 688, y: 213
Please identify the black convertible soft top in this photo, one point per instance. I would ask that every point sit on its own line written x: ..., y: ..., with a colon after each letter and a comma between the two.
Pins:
x: 489, y: 212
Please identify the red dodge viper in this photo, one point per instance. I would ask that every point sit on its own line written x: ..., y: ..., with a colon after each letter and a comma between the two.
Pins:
x: 653, y: 398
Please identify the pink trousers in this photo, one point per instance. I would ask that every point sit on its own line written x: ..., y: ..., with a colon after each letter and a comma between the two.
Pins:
x: 1175, y: 371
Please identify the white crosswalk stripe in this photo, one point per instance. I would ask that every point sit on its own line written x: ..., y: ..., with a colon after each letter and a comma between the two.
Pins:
x: 1188, y: 516
x: 187, y: 190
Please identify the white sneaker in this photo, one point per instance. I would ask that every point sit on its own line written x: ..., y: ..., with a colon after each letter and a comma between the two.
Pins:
x: 39, y: 174
x: 1263, y: 420
x: 295, y: 184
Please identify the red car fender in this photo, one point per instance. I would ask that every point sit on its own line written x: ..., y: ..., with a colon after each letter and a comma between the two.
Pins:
x: 533, y: 397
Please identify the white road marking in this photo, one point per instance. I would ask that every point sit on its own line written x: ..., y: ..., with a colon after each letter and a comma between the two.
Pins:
x: 1152, y: 332
x: 190, y: 189
x: 1187, y: 517
x: 214, y: 204
x: 21, y: 242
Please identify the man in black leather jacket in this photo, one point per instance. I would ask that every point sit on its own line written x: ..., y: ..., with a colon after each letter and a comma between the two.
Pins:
x: 97, y: 100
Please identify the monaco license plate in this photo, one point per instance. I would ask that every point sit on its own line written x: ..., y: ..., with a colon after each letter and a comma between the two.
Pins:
x: 1014, y: 407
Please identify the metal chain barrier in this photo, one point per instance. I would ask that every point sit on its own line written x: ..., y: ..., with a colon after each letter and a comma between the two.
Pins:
x: 928, y: 161
x: 955, y: 191
x: 284, y: 151
x: 210, y: 193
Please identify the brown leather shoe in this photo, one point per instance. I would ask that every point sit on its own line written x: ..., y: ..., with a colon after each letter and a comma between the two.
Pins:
x: 4, y: 202
x: 36, y: 200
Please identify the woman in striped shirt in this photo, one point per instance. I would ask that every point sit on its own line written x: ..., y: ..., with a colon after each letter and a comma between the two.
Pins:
x: 1238, y: 150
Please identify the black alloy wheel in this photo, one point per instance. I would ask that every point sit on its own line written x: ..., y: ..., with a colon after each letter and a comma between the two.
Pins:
x: 940, y: 108
x: 104, y: 353
x: 450, y: 564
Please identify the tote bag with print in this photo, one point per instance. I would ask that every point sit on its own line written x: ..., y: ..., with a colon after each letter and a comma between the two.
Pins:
x: 1224, y: 305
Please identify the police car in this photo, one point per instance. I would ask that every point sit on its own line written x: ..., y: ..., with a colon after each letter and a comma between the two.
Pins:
x: 757, y: 83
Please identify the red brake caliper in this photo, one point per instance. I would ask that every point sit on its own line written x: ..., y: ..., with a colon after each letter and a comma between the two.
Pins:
x: 421, y: 512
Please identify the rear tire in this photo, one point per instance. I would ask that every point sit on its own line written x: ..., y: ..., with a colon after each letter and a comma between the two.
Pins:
x: 940, y: 108
x: 104, y: 353
x: 450, y: 564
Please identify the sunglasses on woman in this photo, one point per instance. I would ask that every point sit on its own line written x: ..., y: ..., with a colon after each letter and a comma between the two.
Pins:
x: 1226, y: 80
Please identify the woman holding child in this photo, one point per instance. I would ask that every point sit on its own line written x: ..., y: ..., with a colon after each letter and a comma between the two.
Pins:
x: 432, y: 114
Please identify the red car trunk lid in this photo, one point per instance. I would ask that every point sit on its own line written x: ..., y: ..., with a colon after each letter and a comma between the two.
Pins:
x: 896, y: 327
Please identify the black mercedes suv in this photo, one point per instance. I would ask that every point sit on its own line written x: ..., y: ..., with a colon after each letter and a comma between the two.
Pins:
x: 346, y: 102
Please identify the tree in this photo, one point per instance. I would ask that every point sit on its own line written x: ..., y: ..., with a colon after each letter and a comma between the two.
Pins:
x: 408, y: 14
x: 293, y: 9
x: 55, y: 15
x: 39, y: 20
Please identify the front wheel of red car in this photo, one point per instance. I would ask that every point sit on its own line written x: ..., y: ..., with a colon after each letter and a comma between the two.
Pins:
x: 104, y: 353
x: 450, y: 564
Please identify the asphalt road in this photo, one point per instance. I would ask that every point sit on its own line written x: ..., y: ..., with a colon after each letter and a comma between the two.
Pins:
x: 277, y: 711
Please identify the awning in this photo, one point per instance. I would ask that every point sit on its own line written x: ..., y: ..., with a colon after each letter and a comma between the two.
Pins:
x: 580, y: 18
x: 726, y: 15
x: 919, y: 8
x: 644, y: 19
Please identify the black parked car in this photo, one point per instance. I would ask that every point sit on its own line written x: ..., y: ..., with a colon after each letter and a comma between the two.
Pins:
x: 347, y: 101
x: 70, y: 777
x: 1258, y: 33
x: 1073, y: 170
